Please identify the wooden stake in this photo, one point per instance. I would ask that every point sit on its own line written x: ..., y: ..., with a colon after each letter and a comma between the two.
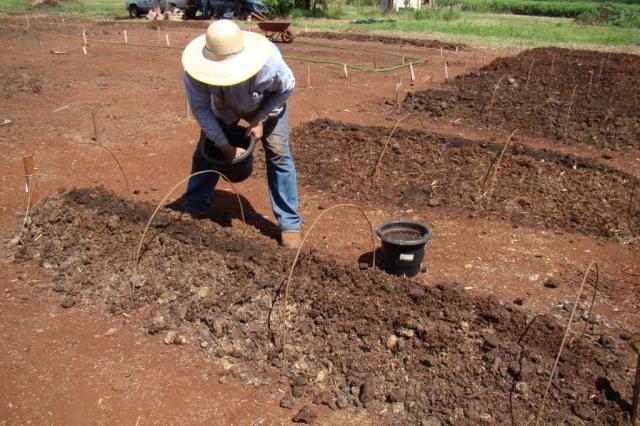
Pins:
x: 398, y: 85
x: 40, y: 44
x: 167, y: 37
x: 374, y: 61
x: 590, y: 82
x: 441, y: 51
x: 493, y: 96
x: 403, y: 59
x: 483, y: 55
x: 529, y: 74
x: 29, y: 172
x: 126, y: 39
x: 456, y: 49
x: 573, y: 93
x: 446, y: 72
x: 62, y: 21
x: 601, y: 66
x: 84, y: 37
x: 26, y: 18
x: 308, y: 76
x: 553, y: 61
x: 95, y: 126
x: 84, y: 50
x: 413, y: 74
x: 346, y: 73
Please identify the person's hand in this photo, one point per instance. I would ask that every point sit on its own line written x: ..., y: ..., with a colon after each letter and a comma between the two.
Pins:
x: 256, y: 129
x: 231, y: 152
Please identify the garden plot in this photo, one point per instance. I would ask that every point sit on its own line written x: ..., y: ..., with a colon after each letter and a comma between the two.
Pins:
x: 356, y: 339
x: 570, y: 95
x: 541, y: 189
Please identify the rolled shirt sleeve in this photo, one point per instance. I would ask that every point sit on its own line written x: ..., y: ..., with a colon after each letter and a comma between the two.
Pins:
x: 200, y: 101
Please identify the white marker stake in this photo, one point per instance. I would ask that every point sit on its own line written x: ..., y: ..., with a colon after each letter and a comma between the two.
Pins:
x: 346, y: 73
x: 126, y: 39
x: 40, y: 44
x: 84, y: 50
x: 446, y: 72
x: 167, y: 37
x: 413, y: 74
x: 456, y: 50
x: 441, y: 51
x: 84, y: 37
x: 308, y: 76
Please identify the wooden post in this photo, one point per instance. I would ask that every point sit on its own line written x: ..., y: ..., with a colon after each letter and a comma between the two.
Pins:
x: 126, y: 39
x: 308, y: 76
x: 40, y: 44
x: 84, y: 37
x: 84, y: 50
x: 95, y: 126
x: 413, y: 74
x: 456, y: 49
x: 29, y: 172
x: 573, y: 94
x: 398, y: 85
x: 167, y: 37
x: 441, y: 52
x: 346, y: 73
x: 446, y: 71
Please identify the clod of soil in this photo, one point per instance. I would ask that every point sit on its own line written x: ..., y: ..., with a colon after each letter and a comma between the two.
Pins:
x: 541, y: 189
x: 534, y: 94
x: 459, y: 358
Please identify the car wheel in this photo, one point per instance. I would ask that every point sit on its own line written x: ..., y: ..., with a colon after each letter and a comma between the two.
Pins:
x: 134, y: 12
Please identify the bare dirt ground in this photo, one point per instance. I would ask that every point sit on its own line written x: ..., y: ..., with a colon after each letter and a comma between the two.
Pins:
x: 62, y: 365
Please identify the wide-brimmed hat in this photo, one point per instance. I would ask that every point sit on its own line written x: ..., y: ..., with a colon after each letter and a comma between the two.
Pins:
x: 225, y: 55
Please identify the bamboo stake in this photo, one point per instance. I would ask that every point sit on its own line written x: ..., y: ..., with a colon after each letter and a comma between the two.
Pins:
x: 84, y: 37
x: 346, y: 73
x: 84, y: 50
x: 126, y: 40
x: 601, y: 66
x: 413, y: 74
x: 573, y: 93
x: 529, y: 74
x: 446, y: 71
x: 493, y: 96
x: 29, y: 172
x: 167, y: 37
x: 95, y: 126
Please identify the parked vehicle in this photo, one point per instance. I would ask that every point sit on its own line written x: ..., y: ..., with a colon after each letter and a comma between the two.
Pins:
x: 138, y: 8
x: 229, y: 8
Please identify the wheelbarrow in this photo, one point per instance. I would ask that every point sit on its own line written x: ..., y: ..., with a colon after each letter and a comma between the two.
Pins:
x: 274, y: 30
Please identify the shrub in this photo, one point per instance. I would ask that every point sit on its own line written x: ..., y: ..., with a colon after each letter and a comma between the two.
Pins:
x: 280, y: 7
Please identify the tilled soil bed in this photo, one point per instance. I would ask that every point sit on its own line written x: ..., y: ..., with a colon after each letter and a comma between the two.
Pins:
x: 357, y: 339
x: 534, y: 95
x: 419, y: 170
x: 371, y: 38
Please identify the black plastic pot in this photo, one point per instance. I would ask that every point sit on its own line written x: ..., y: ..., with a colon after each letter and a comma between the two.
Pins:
x: 238, y: 169
x: 403, y: 246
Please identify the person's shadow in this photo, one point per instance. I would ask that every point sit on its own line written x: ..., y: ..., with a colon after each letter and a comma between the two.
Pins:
x: 224, y: 208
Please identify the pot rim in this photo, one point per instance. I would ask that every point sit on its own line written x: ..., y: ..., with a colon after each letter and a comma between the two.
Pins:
x: 403, y: 224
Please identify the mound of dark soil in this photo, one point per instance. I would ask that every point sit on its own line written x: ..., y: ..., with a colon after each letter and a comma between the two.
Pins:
x: 604, y: 113
x: 356, y: 338
x: 536, y: 188
x: 383, y: 39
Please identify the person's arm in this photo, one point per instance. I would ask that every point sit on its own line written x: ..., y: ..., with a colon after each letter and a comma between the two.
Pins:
x: 278, y: 88
x: 200, y: 102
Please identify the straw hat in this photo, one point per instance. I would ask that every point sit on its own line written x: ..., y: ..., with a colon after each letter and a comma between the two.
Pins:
x: 225, y: 55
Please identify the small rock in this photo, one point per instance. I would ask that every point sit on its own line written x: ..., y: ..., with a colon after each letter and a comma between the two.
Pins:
x: 58, y: 287
x: 407, y: 333
x: 397, y: 407
x: 392, y: 342
x: 111, y: 331
x: 297, y: 391
x: 533, y: 277
x: 170, y: 338
x: 363, y: 266
x: 342, y: 401
x: 434, y: 202
x: 204, y: 344
x: 306, y: 415
x: 464, y: 326
x: 522, y: 388
x: 511, y: 80
x: 550, y: 283
x: 287, y: 403
x: 67, y: 302
x: 367, y: 391
x: 584, y: 412
x: 180, y: 340
x: 592, y: 318
x: 430, y: 421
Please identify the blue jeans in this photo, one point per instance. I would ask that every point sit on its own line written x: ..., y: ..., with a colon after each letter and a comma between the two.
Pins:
x: 281, y: 175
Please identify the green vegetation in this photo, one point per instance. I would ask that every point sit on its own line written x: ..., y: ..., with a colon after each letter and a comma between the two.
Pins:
x: 488, y: 29
x: 102, y: 9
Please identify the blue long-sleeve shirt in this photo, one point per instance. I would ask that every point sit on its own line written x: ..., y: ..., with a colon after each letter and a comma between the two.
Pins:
x: 257, y: 98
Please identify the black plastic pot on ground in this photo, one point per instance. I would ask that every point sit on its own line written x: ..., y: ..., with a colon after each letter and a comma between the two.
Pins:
x: 403, y: 246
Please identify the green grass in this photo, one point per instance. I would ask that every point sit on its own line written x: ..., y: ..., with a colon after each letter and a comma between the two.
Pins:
x: 100, y: 9
x: 495, y: 30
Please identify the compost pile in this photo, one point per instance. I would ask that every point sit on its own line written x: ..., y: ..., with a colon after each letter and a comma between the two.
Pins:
x: 356, y: 338
x: 536, y: 188
x: 604, y: 113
